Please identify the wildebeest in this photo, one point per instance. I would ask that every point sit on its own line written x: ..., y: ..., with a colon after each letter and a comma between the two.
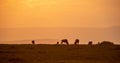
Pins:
x: 76, y: 42
x: 90, y: 43
x: 64, y: 41
x: 57, y: 43
x: 33, y: 42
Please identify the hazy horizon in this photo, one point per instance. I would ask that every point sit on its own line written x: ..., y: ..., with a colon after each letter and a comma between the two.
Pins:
x: 52, y: 35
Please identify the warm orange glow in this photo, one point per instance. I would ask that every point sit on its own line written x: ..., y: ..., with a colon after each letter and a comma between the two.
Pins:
x: 59, y: 13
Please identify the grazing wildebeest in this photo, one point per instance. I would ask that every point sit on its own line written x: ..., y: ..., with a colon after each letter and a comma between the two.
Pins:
x: 33, y: 42
x: 90, y: 43
x: 64, y: 41
x: 76, y: 42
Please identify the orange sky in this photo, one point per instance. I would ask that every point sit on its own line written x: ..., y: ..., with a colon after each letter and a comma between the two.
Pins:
x: 86, y: 20
x: 59, y: 13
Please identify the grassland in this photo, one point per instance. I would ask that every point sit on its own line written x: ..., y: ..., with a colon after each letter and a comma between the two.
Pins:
x: 38, y: 53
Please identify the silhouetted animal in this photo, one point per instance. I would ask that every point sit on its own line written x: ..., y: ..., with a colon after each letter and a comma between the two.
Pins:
x: 64, y: 41
x: 76, y: 42
x: 98, y: 43
x: 57, y: 42
x: 33, y: 42
x: 90, y: 43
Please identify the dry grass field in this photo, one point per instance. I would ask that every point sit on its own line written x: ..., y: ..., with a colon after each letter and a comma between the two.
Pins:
x: 38, y: 53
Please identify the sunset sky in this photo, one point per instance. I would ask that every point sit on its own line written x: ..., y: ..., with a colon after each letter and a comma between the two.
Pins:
x: 59, y: 13
x: 55, y: 14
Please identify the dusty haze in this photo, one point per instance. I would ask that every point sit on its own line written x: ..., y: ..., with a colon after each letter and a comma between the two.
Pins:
x: 48, y: 19
x: 52, y: 35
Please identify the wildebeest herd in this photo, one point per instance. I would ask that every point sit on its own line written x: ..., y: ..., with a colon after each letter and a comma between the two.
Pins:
x: 76, y: 42
x: 63, y: 41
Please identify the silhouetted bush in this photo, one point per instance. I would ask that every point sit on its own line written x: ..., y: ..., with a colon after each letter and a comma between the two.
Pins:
x: 106, y: 43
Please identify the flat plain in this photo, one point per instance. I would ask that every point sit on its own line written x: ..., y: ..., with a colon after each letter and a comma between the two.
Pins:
x: 43, y: 53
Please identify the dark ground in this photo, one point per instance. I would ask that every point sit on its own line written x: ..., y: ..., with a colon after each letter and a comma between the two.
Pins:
x: 27, y: 53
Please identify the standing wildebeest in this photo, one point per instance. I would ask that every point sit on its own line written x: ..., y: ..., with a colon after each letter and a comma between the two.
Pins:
x: 64, y: 41
x: 33, y: 42
x: 76, y: 42
x: 90, y: 43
